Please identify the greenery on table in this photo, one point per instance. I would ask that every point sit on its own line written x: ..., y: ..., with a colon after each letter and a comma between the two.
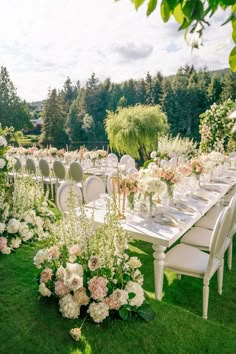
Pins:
x: 193, y: 16
x: 32, y: 326
x: 135, y: 130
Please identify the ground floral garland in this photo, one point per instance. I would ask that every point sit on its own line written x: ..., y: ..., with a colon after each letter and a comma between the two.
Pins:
x: 89, y: 270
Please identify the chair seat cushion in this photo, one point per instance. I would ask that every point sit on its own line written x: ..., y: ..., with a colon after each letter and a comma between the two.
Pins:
x: 208, y: 221
x: 187, y: 259
x: 198, y: 237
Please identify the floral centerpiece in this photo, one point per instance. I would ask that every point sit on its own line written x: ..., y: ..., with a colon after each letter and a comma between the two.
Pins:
x: 90, y: 271
x: 170, y: 177
x: 130, y: 184
x: 24, y: 214
x: 197, y: 167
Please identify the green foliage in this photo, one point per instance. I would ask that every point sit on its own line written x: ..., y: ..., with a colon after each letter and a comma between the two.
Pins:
x: 54, y: 119
x: 216, y: 126
x: 13, y: 111
x: 193, y: 16
x: 134, y: 130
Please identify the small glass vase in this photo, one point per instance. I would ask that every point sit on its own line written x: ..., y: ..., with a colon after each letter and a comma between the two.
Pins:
x: 170, y: 191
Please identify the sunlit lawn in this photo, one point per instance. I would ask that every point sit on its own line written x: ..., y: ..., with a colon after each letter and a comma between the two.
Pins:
x: 30, y: 325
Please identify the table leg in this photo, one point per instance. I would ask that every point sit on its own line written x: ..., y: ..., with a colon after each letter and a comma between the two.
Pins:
x: 159, y: 257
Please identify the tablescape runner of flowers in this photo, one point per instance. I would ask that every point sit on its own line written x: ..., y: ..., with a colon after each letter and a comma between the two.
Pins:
x: 89, y: 271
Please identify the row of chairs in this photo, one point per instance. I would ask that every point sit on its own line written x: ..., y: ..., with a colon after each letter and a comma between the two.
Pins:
x: 201, y: 251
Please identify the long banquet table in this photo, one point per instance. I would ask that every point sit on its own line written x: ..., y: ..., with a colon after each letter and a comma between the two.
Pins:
x: 162, y: 235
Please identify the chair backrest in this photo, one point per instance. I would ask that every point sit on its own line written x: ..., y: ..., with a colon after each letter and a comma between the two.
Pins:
x: 131, y: 171
x: 112, y: 158
x: 219, y: 234
x: 232, y: 154
x: 109, y: 182
x: 93, y: 187
x: 130, y: 163
x: 30, y: 166
x: 76, y: 172
x: 65, y: 193
x: 124, y: 159
x: 232, y: 206
x: 18, y: 165
x: 44, y: 168
x: 59, y: 170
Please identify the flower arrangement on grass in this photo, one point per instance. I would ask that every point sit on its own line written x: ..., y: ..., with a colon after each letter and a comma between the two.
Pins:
x: 89, y: 270
x: 24, y: 214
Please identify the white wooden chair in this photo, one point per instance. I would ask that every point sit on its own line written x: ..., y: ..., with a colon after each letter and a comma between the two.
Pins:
x: 112, y: 159
x: 63, y: 195
x: 46, y: 175
x: 76, y: 173
x: 188, y: 260
x: 93, y: 187
x: 31, y: 168
x: 200, y: 237
x: 124, y: 159
x: 59, y: 172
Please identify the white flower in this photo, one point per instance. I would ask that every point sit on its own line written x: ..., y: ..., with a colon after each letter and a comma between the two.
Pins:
x: 6, y: 250
x: 44, y: 291
x: 153, y: 154
x: 75, y: 333
x: 15, y: 242
x: 2, y: 163
x: 60, y: 274
x: 98, y: 311
x: 27, y: 236
x: 133, y: 287
x: 3, y: 141
x: 74, y: 283
x: 40, y: 257
x: 68, y: 307
x: 134, y: 262
x: 2, y: 227
x: 23, y: 229
x: 13, y: 226
x: 74, y: 268
x: 138, y: 277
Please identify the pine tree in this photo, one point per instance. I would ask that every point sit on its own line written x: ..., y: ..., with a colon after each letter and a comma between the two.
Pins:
x: 54, y: 118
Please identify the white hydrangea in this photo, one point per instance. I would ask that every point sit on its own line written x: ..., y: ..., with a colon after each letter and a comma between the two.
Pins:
x: 138, y: 277
x: 68, y: 307
x: 134, y: 262
x: 98, y: 311
x: 6, y: 250
x: 133, y: 287
x: 13, y: 226
x: 44, y: 291
x: 2, y: 163
x: 40, y: 257
x: 27, y: 236
x: 74, y: 283
x: 3, y: 141
x: 2, y: 227
x: 74, y: 268
x: 15, y: 242
x: 23, y: 229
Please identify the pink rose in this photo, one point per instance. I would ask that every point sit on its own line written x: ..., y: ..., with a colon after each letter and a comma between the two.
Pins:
x: 3, y: 242
x: 97, y: 287
x: 81, y: 297
x: 54, y: 252
x: 46, y: 275
x: 74, y: 250
x: 61, y: 289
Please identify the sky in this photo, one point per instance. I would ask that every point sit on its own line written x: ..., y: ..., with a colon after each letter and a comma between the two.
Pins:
x: 43, y: 42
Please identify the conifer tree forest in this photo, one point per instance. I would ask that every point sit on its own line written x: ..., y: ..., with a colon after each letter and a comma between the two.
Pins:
x: 75, y: 114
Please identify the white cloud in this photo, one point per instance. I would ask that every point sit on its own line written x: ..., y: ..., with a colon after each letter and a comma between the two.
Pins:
x: 42, y: 42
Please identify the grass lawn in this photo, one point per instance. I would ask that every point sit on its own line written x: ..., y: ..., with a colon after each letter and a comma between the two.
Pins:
x: 32, y: 326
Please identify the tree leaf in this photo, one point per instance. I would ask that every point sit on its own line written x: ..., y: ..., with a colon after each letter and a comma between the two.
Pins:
x: 232, y: 59
x: 124, y: 314
x: 165, y: 10
x: 151, y: 6
x: 137, y: 3
x: 178, y: 14
x: 234, y: 31
x: 145, y: 311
